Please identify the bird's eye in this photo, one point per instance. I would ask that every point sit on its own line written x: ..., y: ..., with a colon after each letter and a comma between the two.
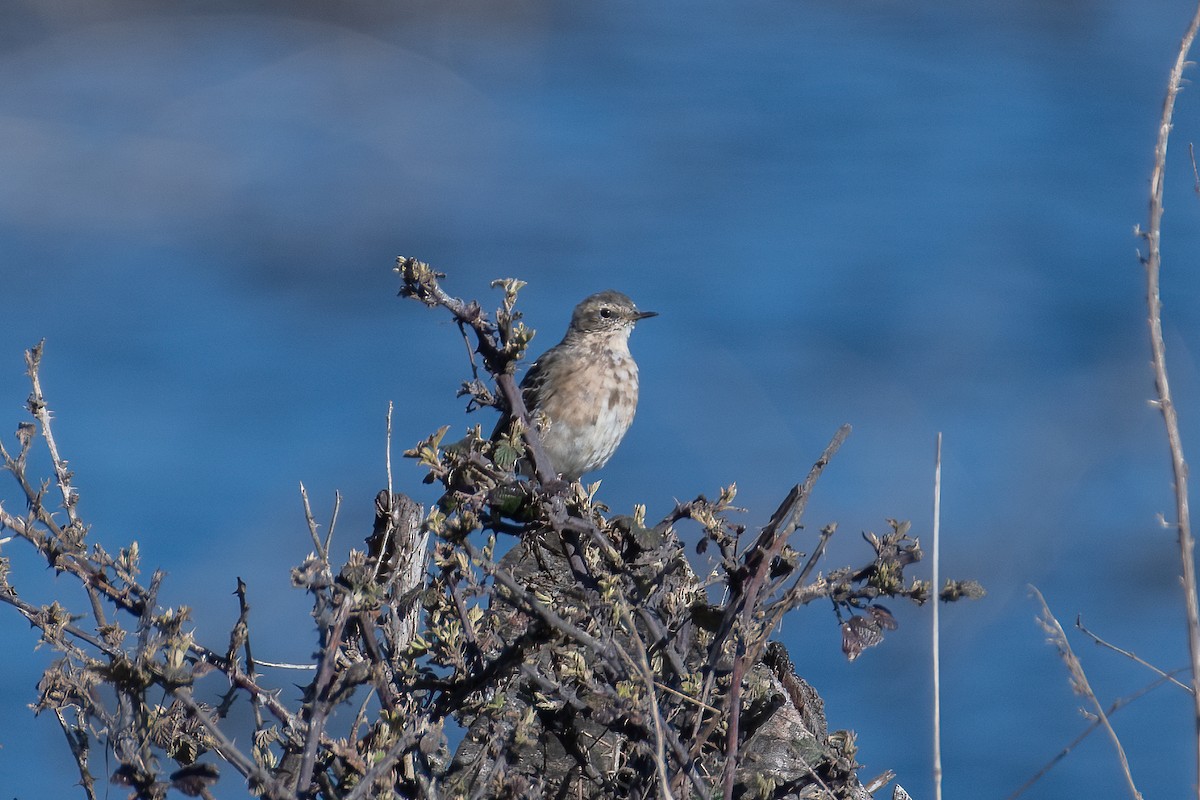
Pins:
x: 606, y: 313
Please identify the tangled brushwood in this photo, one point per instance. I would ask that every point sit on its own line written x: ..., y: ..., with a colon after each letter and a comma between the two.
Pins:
x: 589, y: 660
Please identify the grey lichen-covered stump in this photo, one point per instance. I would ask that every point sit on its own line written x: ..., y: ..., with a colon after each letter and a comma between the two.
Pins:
x: 556, y: 722
x: 789, y: 740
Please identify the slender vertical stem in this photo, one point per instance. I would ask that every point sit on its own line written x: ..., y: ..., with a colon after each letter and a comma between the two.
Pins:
x: 1153, y: 262
x: 388, y: 453
x: 936, y: 638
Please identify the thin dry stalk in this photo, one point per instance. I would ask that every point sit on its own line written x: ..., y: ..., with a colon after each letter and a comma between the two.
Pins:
x: 1080, y: 684
x: 333, y: 517
x: 1153, y: 262
x: 37, y: 404
x: 388, y: 447
x: 937, y: 663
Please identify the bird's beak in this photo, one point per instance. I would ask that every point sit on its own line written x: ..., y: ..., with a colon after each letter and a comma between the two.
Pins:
x: 644, y: 315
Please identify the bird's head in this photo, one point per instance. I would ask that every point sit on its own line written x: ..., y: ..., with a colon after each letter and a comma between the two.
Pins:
x: 606, y: 312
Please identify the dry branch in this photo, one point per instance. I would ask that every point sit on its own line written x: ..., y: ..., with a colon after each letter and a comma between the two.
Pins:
x: 1153, y: 263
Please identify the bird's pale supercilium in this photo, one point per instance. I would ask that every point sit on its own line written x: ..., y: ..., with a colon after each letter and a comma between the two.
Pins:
x: 583, y: 392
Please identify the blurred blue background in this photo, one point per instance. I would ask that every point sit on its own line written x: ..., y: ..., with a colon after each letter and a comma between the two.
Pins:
x: 909, y: 216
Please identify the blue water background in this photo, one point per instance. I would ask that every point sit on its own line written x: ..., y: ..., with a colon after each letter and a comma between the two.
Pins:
x: 913, y: 217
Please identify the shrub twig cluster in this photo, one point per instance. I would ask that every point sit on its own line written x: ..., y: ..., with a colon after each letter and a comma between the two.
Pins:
x: 576, y: 651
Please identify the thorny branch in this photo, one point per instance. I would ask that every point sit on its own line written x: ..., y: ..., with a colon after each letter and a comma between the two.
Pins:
x: 710, y: 651
x: 500, y: 345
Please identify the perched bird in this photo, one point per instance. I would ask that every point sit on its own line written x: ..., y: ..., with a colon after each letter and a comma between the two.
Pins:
x: 582, y: 393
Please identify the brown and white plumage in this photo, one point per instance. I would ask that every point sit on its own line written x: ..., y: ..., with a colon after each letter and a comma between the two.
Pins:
x: 582, y: 393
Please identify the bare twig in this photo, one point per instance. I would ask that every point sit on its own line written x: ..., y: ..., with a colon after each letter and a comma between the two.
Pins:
x: 758, y: 562
x: 384, y: 688
x: 35, y: 617
x: 77, y: 740
x: 242, y: 631
x: 801, y: 593
x: 321, y: 703
x: 1132, y: 656
x: 1195, y: 172
x: 420, y: 281
x: 687, y: 699
x: 312, y: 526
x: 229, y: 751
x: 1153, y: 263
x: 333, y: 518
